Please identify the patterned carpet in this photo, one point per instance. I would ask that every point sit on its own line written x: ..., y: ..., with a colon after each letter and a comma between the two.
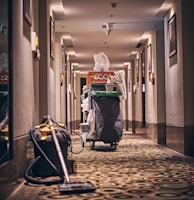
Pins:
x: 137, y: 169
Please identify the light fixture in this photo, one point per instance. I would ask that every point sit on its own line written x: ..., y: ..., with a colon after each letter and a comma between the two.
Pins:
x: 35, y: 45
x: 113, y: 5
x: 107, y: 28
x: 33, y: 41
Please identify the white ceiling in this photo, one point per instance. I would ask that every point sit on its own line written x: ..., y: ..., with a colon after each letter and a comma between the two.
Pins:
x: 82, y: 20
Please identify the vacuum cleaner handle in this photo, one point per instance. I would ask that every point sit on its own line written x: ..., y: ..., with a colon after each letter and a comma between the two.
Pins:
x: 58, y: 149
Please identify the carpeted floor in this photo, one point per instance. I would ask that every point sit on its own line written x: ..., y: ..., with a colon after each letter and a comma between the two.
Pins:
x: 137, y: 169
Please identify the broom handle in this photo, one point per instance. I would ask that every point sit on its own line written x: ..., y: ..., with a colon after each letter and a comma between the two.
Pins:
x: 58, y: 148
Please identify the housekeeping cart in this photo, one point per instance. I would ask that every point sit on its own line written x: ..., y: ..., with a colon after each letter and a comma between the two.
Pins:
x: 104, y: 118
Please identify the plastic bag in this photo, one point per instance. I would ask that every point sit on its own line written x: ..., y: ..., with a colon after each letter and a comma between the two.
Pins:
x: 121, y: 84
x: 3, y: 62
x: 119, y: 79
x: 101, y: 62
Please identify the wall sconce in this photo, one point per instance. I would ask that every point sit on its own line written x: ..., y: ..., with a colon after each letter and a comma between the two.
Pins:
x: 134, y: 88
x: 33, y: 41
x: 151, y: 78
x: 61, y: 79
x: 107, y: 28
x: 34, y: 45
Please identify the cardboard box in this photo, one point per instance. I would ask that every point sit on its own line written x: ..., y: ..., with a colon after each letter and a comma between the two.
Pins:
x: 112, y: 87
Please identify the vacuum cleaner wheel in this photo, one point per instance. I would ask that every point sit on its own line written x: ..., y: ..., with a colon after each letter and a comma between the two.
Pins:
x: 76, y: 187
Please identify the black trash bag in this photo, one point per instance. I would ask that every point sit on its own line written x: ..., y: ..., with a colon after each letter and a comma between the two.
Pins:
x: 108, y: 118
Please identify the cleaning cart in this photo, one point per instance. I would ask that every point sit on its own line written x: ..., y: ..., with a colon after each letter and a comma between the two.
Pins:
x: 104, y: 121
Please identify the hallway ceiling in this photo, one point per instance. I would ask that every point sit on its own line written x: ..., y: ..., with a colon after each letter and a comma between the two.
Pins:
x: 84, y: 24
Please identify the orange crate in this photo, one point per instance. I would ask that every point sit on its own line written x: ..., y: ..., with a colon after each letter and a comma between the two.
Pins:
x: 98, y: 77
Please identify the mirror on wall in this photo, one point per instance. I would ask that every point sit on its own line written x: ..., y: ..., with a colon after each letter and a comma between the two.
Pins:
x: 4, y: 83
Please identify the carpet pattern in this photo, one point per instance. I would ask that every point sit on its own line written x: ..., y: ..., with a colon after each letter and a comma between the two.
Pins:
x: 137, y: 169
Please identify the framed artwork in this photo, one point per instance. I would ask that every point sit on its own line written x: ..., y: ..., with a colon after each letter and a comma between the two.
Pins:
x: 52, y: 44
x: 27, y: 11
x: 149, y: 61
x: 172, y: 37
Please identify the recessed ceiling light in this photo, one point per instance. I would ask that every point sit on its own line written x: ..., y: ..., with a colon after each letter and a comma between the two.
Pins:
x: 113, y: 5
x: 58, y: 7
x: 126, y: 63
x: 165, y: 6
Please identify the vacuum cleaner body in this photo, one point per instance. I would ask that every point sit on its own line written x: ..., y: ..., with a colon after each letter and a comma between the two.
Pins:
x: 42, y: 168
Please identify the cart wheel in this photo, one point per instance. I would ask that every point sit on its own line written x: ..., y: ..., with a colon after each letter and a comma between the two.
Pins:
x: 113, y: 145
x: 92, y: 145
x: 72, y: 166
x: 82, y: 143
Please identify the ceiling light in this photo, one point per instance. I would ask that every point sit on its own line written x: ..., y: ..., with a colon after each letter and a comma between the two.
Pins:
x: 66, y: 36
x: 107, y: 28
x: 126, y: 63
x: 154, y: 26
x: 75, y: 64
x: 113, y: 5
x: 72, y: 53
x: 58, y: 7
x: 138, y: 45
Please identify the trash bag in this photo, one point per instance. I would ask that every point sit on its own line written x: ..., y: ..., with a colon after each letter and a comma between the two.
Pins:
x: 101, y: 62
x: 108, y: 118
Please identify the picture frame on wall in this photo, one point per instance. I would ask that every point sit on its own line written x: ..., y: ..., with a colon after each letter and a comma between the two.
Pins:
x: 149, y: 61
x: 52, y: 32
x: 27, y: 11
x: 172, y: 36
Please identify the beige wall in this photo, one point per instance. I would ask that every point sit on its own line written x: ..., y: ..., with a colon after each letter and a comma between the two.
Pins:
x: 151, y: 89
x: 30, y: 75
x: 23, y: 82
x: 57, y: 78
x: 179, y: 76
x: 174, y: 75
x: 154, y: 93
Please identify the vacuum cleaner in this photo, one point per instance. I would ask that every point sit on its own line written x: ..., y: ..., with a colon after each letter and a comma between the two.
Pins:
x: 4, y: 140
x: 65, y: 185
